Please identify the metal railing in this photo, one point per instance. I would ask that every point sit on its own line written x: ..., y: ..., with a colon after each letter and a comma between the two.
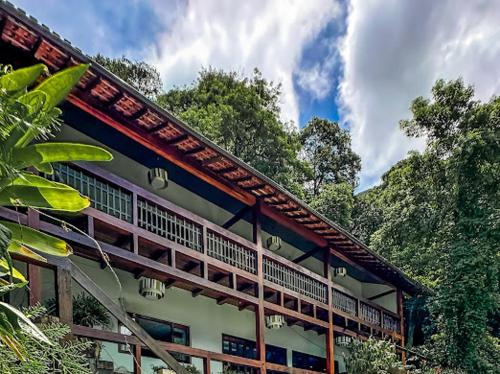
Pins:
x: 164, y: 223
x: 294, y: 280
x: 231, y: 252
x: 116, y: 197
x: 345, y: 303
x: 104, y: 196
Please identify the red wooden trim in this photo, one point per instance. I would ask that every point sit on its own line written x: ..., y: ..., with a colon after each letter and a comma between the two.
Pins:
x: 151, y: 143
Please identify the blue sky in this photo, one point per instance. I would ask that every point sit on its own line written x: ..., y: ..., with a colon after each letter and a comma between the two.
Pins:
x: 360, y: 62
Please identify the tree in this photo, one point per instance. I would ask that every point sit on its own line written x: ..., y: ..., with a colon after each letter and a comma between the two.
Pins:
x: 372, y: 357
x: 440, y: 219
x: 463, y: 134
x: 26, y: 116
x: 335, y: 201
x: 139, y: 74
x: 367, y: 214
x: 327, y: 149
x: 241, y: 115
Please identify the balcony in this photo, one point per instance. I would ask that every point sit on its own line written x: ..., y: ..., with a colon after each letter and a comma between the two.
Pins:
x: 145, y: 232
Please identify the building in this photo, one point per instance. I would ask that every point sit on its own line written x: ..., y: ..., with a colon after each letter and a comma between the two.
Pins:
x: 223, y: 267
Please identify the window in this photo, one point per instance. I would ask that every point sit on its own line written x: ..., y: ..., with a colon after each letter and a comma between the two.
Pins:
x: 166, y: 332
x: 232, y: 345
x: 309, y: 362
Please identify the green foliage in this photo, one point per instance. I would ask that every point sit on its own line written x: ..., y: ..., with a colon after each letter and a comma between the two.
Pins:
x: 241, y: 115
x: 327, y: 149
x: 62, y: 356
x: 25, y: 116
x: 372, y: 357
x: 440, y: 220
x: 367, y: 214
x: 140, y: 75
x: 335, y: 201
x: 87, y: 311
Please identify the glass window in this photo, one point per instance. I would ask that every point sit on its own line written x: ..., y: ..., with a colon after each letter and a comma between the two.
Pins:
x: 232, y: 345
x: 309, y: 362
x: 166, y: 332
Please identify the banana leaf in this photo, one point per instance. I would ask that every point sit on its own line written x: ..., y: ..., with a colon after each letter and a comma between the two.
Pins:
x: 60, y: 84
x: 37, y: 154
x: 37, y: 240
x: 17, y: 247
x: 20, y: 79
x: 52, y: 198
x: 28, y: 179
x: 5, y: 270
x: 22, y: 323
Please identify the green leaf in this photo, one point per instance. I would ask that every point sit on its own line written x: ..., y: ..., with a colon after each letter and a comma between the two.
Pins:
x: 64, y: 199
x: 60, y: 84
x: 19, y: 248
x: 19, y: 79
x: 38, y: 240
x: 28, y: 179
x: 58, y: 152
x: 6, y: 286
x: 44, y: 167
x: 5, y: 269
x: 33, y: 100
x: 23, y: 323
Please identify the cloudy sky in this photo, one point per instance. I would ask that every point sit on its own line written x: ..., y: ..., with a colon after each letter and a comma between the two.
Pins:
x: 360, y: 62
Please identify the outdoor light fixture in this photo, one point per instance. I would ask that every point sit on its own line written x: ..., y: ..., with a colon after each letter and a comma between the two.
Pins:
x: 275, y: 321
x: 273, y: 243
x: 152, y: 289
x: 340, y: 271
x: 158, y: 178
x: 343, y: 340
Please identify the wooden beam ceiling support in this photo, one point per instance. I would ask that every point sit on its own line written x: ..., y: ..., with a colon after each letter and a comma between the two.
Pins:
x: 308, y: 254
x: 388, y: 292
x: 243, y: 178
x: 243, y: 306
x: 280, y: 202
x: 218, y: 277
x: 239, y: 215
x: 138, y: 114
x: 254, y: 187
x: 194, y: 151
x: 196, y: 292
x: 222, y: 300
x: 266, y: 195
x: 227, y: 169
x: 212, y: 160
x: 178, y: 139
x: 190, y: 266
x: 169, y: 283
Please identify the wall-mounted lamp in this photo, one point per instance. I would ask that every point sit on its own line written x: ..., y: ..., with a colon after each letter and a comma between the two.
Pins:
x: 343, y: 340
x: 340, y: 272
x: 158, y: 178
x: 273, y: 243
x: 275, y: 321
x: 152, y: 289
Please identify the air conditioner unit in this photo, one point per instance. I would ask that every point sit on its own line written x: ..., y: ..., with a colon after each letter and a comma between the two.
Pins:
x: 158, y: 178
x: 340, y: 272
x: 343, y: 340
x: 152, y: 289
x: 275, y: 321
x: 273, y: 243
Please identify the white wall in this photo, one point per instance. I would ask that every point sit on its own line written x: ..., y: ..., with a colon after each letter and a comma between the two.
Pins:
x: 207, y: 320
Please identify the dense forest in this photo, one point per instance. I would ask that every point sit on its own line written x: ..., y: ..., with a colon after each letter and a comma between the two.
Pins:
x: 435, y: 213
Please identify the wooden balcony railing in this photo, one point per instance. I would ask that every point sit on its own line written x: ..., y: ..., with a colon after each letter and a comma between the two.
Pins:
x: 136, y: 206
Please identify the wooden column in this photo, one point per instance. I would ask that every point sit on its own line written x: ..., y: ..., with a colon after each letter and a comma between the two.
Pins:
x: 137, y: 359
x: 64, y: 295
x: 259, y: 312
x: 402, y: 321
x: 206, y: 365
x: 329, y: 336
x: 34, y: 271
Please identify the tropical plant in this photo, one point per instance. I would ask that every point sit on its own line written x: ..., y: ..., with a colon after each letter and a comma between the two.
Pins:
x: 64, y: 356
x: 28, y: 117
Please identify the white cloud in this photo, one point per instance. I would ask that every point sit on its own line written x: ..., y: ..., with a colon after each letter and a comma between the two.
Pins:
x: 394, y: 51
x: 242, y: 35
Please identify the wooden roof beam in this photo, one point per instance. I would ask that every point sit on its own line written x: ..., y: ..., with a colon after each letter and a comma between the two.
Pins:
x: 308, y: 254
